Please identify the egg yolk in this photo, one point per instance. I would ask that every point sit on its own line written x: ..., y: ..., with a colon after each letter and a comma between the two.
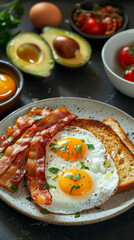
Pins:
x: 7, y: 86
x: 69, y: 148
x: 75, y: 182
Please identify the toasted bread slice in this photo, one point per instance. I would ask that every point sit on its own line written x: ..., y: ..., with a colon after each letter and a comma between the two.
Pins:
x: 120, y: 153
x: 120, y: 132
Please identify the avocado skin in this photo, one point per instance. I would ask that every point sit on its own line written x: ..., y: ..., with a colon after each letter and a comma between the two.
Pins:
x: 50, y: 33
x: 41, y: 69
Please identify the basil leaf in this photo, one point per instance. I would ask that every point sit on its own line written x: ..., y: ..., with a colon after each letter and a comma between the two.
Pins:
x: 78, y: 148
x: 13, y: 187
x: 90, y: 147
x: 1, y: 154
x: 76, y: 177
x: 77, y: 215
x: 10, y: 139
x: 74, y: 187
x: 37, y: 118
x: 44, y: 211
x: 47, y: 186
x: 53, y: 170
x: 83, y: 166
x: 54, y: 146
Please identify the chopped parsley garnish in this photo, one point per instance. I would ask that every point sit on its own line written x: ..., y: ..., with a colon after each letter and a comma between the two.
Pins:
x: 63, y: 147
x: 46, y: 185
x: 53, y: 170
x: 82, y: 140
x: 90, y: 146
x: 55, y: 147
x: 77, y: 215
x: 78, y: 148
x: 83, y: 166
x: 1, y: 154
x: 74, y: 187
x: 29, y: 199
x: 10, y: 139
x: 76, y: 177
x: 44, y: 211
x: 37, y: 118
x: 54, y: 179
x: 13, y: 187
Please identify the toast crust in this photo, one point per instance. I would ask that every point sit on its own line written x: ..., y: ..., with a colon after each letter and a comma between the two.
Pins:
x: 120, y: 132
x: 122, y: 156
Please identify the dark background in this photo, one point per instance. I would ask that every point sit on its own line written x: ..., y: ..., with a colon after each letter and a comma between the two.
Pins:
x: 88, y: 82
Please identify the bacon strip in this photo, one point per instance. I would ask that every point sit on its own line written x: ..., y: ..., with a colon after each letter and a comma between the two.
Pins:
x: 15, y: 158
x: 36, y: 162
x: 22, y: 123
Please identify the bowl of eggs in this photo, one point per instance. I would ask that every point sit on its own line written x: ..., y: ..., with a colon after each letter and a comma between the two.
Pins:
x: 98, y: 20
x: 11, y: 82
x: 119, y: 72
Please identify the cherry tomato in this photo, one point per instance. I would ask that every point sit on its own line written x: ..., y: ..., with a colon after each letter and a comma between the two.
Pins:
x: 126, y: 56
x: 106, y: 23
x: 129, y: 74
x: 82, y: 18
x: 93, y: 27
x: 103, y: 10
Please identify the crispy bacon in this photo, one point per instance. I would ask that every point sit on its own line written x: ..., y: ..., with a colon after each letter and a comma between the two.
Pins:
x: 15, y: 156
x: 36, y: 162
x: 22, y: 123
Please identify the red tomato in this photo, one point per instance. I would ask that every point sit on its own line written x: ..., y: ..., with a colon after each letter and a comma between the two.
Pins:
x: 82, y: 18
x: 126, y: 56
x: 106, y: 22
x: 103, y: 10
x: 129, y: 74
x: 93, y: 27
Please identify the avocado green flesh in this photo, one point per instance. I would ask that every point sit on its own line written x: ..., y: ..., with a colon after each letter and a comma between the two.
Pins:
x: 43, y: 67
x: 50, y: 33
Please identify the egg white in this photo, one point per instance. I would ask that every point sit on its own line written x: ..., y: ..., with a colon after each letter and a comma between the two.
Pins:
x: 104, y: 176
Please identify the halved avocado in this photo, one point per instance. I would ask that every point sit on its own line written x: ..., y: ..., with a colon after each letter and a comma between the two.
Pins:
x: 31, y: 53
x: 84, y: 54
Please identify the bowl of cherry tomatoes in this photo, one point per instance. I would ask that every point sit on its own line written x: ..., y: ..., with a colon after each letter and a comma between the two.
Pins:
x: 118, y: 60
x: 98, y: 19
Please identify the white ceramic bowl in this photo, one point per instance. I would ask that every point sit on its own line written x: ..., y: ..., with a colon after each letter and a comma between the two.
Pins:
x: 111, y: 66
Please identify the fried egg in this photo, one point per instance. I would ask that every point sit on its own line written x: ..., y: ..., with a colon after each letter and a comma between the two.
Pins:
x: 80, y: 173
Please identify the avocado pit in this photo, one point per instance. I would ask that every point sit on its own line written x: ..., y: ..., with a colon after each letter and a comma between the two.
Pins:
x: 66, y: 47
x: 29, y: 52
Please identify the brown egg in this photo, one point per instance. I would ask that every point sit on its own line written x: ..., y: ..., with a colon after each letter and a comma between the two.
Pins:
x: 44, y: 14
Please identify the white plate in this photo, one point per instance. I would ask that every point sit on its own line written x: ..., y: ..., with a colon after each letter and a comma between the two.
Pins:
x: 83, y: 108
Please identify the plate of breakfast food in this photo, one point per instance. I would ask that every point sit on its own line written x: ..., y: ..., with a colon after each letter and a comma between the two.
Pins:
x: 67, y: 161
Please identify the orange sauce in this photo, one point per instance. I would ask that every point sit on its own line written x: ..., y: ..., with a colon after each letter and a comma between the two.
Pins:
x: 7, y: 86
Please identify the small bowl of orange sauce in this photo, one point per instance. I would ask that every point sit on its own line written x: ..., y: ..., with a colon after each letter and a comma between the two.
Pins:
x: 11, y: 85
